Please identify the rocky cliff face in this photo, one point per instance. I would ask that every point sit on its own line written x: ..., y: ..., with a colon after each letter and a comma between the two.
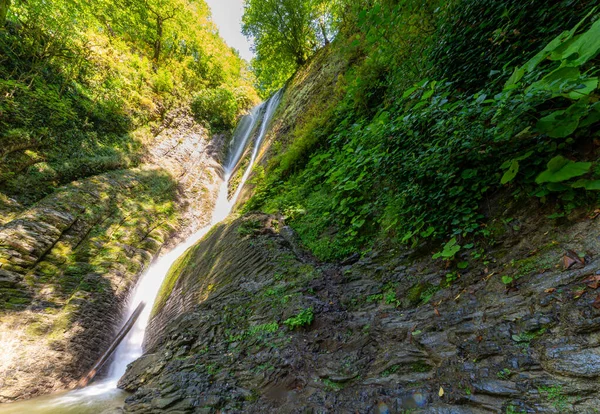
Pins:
x: 248, y: 321
x: 253, y: 324
x: 68, y: 262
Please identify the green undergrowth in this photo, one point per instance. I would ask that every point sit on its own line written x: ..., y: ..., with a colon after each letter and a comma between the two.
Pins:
x: 84, y: 87
x: 304, y: 318
x: 403, y: 151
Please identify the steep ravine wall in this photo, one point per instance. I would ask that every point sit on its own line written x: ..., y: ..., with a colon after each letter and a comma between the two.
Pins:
x: 68, y: 262
x: 388, y: 334
x: 311, y: 91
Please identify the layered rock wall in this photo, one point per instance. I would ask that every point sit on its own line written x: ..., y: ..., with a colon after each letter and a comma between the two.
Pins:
x: 68, y: 263
x: 389, y: 334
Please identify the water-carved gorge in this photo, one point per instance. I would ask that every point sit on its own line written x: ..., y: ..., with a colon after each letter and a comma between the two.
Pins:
x: 69, y: 261
x: 383, y: 335
x: 253, y: 322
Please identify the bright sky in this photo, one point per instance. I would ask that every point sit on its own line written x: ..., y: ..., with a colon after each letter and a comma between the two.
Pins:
x: 227, y: 15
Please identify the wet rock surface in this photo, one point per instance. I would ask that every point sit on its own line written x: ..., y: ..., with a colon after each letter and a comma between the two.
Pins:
x: 389, y: 334
x: 68, y: 262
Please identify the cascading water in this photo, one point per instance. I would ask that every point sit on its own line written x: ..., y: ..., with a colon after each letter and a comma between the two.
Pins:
x: 104, y: 394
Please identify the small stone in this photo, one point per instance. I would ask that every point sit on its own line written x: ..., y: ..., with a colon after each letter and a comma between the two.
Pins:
x: 381, y: 408
x: 162, y: 403
x: 574, y: 362
x: 494, y: 387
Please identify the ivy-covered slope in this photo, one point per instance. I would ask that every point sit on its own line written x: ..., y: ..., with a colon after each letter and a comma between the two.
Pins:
x: 394, y: 148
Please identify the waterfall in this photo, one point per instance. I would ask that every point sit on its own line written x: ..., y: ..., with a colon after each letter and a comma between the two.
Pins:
x: 271, y: 107
x: 95, y: 395
x: 149, y: 285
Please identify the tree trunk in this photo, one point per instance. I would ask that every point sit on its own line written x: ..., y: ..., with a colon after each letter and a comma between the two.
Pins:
x: 324, y: 32
x: 157, y: 41
x: 4, y: 6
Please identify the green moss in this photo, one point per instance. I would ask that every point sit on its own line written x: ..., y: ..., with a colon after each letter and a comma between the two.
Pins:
x: 38, y: 328
x: 391, y: 370
x: 18, y: 300
x: 421, y: 293
x: 249, y: 227
x: 332, y: 386
x: 253, y: 396
x: 554, y: 395
x: 263, y: 329
x: 420, y: 366
x: 171, y: 279
x: 61, y: 324
x: 504, y: 373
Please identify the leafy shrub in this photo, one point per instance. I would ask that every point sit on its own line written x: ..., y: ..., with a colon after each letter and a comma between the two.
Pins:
x: 163, y: 81
x: 304, y: 318
x: 218, y: 107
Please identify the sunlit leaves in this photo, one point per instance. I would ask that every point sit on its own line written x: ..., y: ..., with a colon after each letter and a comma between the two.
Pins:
x: 562, y: 169
x: 285, y: 34
x: 511, y: 173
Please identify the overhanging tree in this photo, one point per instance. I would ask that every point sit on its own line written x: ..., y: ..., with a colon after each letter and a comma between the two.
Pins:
x: 285, y: 34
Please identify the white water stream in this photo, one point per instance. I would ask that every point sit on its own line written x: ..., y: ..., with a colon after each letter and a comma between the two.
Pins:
x: 104, y: 394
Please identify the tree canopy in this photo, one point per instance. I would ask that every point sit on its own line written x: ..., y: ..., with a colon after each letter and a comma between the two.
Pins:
x: 78, y: 79
x: 285, y: 34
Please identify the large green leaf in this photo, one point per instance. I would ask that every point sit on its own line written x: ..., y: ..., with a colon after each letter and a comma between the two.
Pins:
x: 562, y: 169
x: 593, y: 185
x: 580, y: 49
x: 593, y: 116
x: 583, y: 89
x: 511, y: 173
x: 558, y: 124
x: 561, y: 124
x: 567, y: 82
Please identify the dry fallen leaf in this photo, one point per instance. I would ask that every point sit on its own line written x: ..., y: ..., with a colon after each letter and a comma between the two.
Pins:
x: 489, y: 276
x: 593, y: 282
x: 578, y: 293
x: 441, y: 393
x: 570, y: 259
x: 437, y: 312
x: 596, y: 303
x: 551, y: 290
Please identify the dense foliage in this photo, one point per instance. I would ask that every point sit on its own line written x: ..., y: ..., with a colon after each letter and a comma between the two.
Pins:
x: 84, y: 84
x: 479, y: 41
x: 406, y: 148
x: 285, y: 33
